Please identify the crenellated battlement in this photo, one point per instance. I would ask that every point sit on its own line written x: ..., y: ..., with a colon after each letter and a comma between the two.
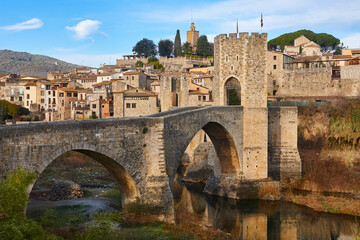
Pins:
x: 241, y: 36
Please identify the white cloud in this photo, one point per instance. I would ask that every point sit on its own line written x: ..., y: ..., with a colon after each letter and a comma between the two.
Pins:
x: 91, y: 60
x: 278, y: 14
x: 352, y: 41
x: 85, y: 28
x: 30, y: 24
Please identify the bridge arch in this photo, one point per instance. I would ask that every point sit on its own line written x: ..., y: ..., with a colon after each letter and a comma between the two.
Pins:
x: 224, y: 144
x: 123, y: 179
x: 232, y: 91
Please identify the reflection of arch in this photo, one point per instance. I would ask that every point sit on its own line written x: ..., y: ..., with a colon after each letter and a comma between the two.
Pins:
x: 126, y: 184
x: 232, y: 91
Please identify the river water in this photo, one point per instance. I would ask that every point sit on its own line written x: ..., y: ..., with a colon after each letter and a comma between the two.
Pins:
x: 260, y: 219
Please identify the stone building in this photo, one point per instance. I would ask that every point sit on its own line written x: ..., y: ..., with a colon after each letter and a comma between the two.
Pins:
x: 304, y: 46
x: 135, y: 102
x: 192, y: 37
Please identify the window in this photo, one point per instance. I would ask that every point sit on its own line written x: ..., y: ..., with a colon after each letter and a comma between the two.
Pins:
x: 48, y: 87
x: 127, y: 78
x: 12, y: 92
x: 42, y: 86
x: 75, y: 94
x: 27, y: 88
x: 61, y: 94
x: 274, y: 67
x: 42, y: 93
x: 274, y: 57
x: 226, y: 59
x: 42, y: 100
x: 204, y: 98
x: 199, y: 98
x: 133, y: 105
x: 94, y: 106
x: 27, y: 103
x: 49, y: 100
x: 27, y: 96
x: 54, y: 93
x: 89, y: 98
x: 100, y: 97
x: 49, y: 92
x: 237, y: 59
x: 21, y: 92
x: 11, y: 98
x: 68, y: 94
x: 132, y: 78
x: 274, y: 82
x: 20, y: 99
x: 128, y: 105
x: 102, y: 106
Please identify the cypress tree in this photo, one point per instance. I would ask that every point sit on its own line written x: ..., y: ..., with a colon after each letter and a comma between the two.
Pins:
x: 177, y: 44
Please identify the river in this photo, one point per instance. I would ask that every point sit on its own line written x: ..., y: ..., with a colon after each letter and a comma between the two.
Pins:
x: 260, y: 219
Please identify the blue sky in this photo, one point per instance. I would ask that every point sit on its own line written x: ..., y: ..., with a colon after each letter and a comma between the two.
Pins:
x: 91, y: 32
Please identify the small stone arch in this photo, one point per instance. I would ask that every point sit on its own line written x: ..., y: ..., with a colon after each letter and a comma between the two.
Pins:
x: 124, y: 181
x: 232, y: 91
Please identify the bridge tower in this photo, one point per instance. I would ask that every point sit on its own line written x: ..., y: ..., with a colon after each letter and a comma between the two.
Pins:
x: 240, y: 65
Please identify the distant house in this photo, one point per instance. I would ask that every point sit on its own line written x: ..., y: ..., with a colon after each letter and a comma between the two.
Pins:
x: 303, y: 46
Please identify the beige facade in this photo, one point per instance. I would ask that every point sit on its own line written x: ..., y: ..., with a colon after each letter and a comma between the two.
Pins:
x: 192, y: 36
x: 135, y: 102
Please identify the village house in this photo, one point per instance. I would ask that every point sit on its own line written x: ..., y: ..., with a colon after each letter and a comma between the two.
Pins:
x: 135, y: 102
x: 303, y: 46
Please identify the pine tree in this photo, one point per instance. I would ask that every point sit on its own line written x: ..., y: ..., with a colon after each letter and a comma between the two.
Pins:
x: 177, y: 44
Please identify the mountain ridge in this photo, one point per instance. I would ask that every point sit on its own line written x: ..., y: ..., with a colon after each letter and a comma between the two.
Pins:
x: 27, y: 64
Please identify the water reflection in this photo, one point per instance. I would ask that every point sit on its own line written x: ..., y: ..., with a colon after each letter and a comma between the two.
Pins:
x: 258, y: 219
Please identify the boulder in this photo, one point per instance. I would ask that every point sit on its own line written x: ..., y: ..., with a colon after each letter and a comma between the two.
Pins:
x: 63, y: 190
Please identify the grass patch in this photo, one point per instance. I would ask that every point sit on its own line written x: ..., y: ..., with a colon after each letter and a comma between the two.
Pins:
x: 113, y: 194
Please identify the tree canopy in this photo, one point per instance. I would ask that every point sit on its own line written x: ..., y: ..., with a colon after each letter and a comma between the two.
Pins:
x: 165, y: 48
x: 177, y: 44
x: 187, y: 48
x: 203, y: 47
x: 326, y: 41
x: 145, y: 47
x: 8, y: 109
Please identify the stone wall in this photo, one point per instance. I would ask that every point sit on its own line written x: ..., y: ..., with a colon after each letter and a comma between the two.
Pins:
x: 309, y: 82
x: 244, y: 58
x: 284, y: 159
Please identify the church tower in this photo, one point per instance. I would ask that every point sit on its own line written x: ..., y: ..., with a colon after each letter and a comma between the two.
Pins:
x: 193, y: 36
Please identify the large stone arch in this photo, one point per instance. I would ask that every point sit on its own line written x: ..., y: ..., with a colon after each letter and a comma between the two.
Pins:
x: 232, y: 85
x: 180, y: 130
x: 123, y: 179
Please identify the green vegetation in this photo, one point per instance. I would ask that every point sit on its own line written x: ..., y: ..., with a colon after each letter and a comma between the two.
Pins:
x: 9, y: 110
x: 326, y: 41
x: 139, y: 64
x: 177, y: 45
x: 13, y: 222
x: 233, y: 97
x: 203, y: 47
x: 145, y: 47
x: 165, y: 48
x: 30, y: 64
x: 155, y: 62
x: 187, y: 49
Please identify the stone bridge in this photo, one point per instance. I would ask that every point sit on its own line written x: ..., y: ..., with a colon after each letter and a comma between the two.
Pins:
x: 143, y: 153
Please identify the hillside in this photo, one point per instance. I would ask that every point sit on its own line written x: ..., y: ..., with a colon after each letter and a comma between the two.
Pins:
x: 326, y: 41
x: 24, y: 63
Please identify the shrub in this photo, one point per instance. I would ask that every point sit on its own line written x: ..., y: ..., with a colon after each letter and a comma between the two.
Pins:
x: 13, y: 222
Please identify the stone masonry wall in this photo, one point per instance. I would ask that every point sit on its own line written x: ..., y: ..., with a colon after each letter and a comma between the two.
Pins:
x: 307, y: 82
x: 244, y: 58
x: 284, y: 159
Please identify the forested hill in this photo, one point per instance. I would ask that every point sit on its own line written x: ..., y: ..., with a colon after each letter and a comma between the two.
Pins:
x: 326, y: 41
x: 24, y: 63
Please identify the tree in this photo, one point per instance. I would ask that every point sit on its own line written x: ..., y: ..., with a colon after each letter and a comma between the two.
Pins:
x: 139, y: 64
x: 233, y: 97
x: 326, y: 41
x: 152, y: 60
x: 203, y: 48
x: 187, y: 48
x: 165, y: 48
x: 145, y: 47
x: 177, y: 44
